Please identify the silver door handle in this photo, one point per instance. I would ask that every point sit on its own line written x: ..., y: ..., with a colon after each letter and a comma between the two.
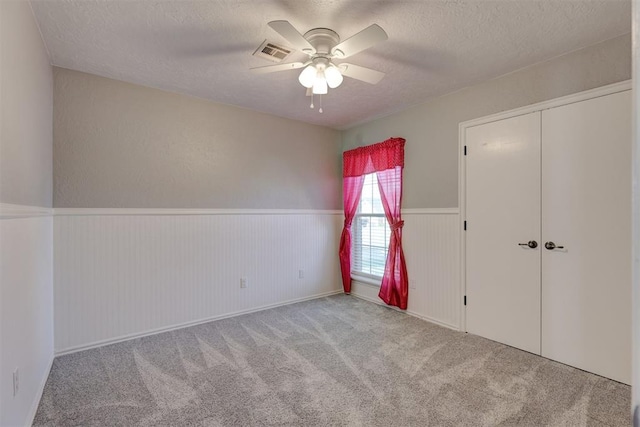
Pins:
x: 551, y: 246
x: 531, y: 243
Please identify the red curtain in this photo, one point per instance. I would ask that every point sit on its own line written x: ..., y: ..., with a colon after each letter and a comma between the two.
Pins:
x: 387, y: 160
x: 352, y: 189
x: 395, y: 284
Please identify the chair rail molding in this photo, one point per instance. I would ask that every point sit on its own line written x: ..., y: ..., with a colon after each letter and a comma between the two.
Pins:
x: 9, y: 211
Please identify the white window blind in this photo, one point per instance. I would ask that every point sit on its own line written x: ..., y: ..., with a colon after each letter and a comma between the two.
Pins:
x: 370, y: 241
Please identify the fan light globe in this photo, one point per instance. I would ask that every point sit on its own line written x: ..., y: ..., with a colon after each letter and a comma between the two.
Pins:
x: 333, y: 76
x: 320, y: 84
x: 308, y: 76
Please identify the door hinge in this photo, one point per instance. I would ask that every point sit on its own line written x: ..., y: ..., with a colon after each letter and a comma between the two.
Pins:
x: 465, y: 226
x: 465, y: 150
x: 465, y: 300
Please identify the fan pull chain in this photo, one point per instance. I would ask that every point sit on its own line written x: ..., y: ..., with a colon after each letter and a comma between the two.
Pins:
x: 320, y: 110
x: 311, y: 106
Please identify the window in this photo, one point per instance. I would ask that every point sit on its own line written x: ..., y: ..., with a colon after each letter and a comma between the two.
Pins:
x: 370, y: 232
x: 364, y: 239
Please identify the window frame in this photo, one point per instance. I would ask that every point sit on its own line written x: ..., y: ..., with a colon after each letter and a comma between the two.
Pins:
x: 361, y: 276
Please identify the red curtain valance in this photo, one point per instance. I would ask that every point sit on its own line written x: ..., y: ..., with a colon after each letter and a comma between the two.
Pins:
x: 374, y: 158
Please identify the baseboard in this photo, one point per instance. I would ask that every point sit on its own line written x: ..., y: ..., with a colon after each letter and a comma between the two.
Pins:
x: 435, y: 321
x: 410, y: 313
x: 373, y: 300
x: 36, y: 402
x: 150, y: 332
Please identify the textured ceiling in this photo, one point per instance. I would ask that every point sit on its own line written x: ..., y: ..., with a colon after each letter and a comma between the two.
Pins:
x: 204, y: 48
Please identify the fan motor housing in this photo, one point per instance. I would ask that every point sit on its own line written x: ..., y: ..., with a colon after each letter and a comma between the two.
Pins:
x: 322, y: 39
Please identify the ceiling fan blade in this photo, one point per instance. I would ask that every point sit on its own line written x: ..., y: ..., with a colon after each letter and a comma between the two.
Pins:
x: 278, y: 67
x: 357, y: 43
x: 361, y: 73
x: 288, y: 31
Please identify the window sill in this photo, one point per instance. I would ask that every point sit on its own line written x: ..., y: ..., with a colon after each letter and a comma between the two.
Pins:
x: 367, y: 280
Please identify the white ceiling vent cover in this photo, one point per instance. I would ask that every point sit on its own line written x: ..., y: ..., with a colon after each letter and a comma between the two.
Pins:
x: 272, y: 52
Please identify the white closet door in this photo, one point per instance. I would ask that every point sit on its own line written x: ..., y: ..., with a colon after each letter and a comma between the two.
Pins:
x: 586, y: 205
x: 502, y: 211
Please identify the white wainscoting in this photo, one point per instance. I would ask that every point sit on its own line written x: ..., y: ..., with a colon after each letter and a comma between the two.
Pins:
x: 26, y: 309
x: 431, y: 243
x: 125, y: 273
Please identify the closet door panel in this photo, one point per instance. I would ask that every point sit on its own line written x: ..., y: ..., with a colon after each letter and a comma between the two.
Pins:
x: 586, y: 208
x: 503, y: 210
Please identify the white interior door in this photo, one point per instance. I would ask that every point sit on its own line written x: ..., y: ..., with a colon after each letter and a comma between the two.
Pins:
x: 586, y: 205
x: 503, y: 212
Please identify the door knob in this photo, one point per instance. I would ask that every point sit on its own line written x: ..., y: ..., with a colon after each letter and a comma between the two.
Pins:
x: 531, y: 243
x: 551, y: 246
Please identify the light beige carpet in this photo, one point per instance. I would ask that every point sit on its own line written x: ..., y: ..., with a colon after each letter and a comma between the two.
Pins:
x: 336, y: 361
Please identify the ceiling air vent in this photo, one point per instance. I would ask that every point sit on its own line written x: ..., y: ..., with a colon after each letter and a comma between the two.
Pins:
x: 272, y: 51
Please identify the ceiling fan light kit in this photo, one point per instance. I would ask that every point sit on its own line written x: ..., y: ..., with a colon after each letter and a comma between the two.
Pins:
x: 323, y: 45
x: 308, y: 76
x: 333, y: 76
x: 320, y: 86
x: 318, y: 75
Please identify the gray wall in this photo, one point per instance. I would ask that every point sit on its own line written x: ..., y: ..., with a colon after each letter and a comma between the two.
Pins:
x: 26, y: 110
x: 119, y: 145
x: 431, y: 129
x: 122, y: 145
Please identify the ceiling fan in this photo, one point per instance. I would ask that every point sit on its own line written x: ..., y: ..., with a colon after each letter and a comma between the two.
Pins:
x: 323, y: 46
